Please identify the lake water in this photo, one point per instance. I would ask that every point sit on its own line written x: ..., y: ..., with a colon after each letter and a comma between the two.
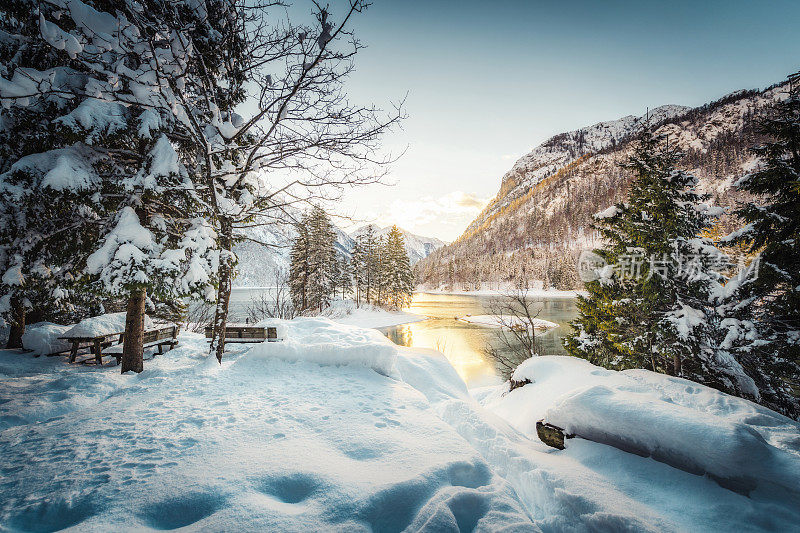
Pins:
x: 242, y: 299
x: 464, y: 344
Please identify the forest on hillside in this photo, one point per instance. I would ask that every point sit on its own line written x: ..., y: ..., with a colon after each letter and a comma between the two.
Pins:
x: 535, y: 230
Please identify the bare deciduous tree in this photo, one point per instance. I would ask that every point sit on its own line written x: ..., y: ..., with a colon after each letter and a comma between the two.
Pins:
x: 198, y: 315
x: 276, y: 303
x: 304, y: 143
x: 516, y: 315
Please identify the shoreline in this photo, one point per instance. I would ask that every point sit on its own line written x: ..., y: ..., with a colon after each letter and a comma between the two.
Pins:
x: 381, y: 321
x: 532, y: 293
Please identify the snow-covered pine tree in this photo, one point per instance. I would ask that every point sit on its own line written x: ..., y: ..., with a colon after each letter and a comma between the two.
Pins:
x: 43, y: 207
x: 72, y: 77
x: 335, y: 276
x: 770, y: 298
x: 358, y: 270
x: 380, y: 265
x: 345, y: 276
x: 398, y: 273
x: 370, y: 265
x: 314, y: 262
x: 653, y: 304
x: 322, y: 259
x: 300, y: 268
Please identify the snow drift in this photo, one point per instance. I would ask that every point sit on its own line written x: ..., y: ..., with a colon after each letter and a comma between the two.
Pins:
x: 302, y: 435
x: 321, y: 341
x: 741, y: 445
x: 335, y: 429
x: 42, y: 338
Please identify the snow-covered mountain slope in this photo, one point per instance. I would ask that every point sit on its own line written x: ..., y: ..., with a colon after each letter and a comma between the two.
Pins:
x: 564, y: 148
x: 540, y: 219
x: 259, y: 263
x: 417, y: 247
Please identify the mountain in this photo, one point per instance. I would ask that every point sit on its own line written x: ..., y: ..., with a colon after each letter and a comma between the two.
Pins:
x: 539, y: 221
x: 265, y: 253
x: 417, y: 247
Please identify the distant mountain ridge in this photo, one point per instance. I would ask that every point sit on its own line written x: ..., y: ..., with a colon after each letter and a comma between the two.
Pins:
x: 266, y: 252
x: 539, y: 221
x: 417, y: 247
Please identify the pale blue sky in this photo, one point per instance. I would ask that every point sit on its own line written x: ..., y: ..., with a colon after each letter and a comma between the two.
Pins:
x: 487, y: 81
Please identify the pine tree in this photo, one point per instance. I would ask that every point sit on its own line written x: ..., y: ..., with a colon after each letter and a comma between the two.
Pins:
x: 322, y: 258
x: 654, y: 303
x: 314, y: 262
x: 345, y: 276
x: 123, y: 211
x: 371, y: 264
x: 300, y: 267
x: 379, y: 269
x: 335, y: 276
x: 770, y: 299
x: 358, y: 270
x: 43, y: 213
x: 398, y: 274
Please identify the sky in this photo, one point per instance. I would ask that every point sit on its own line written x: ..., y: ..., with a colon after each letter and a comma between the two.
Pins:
x: 487, y: 81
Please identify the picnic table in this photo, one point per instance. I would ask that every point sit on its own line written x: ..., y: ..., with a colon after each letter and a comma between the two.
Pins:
x: 246, y: 333
x: 164, y: 335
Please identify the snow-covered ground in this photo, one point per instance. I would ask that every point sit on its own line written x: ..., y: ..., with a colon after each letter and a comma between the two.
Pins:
x: 501, y: 321
x: 269, y: 441
x: 661, y: 421
x: 337, y: 429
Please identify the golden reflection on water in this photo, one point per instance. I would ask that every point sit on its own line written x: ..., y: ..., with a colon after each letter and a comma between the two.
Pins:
x: 463, y: 344
x: 463, y: 347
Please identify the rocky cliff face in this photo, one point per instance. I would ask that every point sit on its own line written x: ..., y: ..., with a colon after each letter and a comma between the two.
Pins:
x: 540, y: 219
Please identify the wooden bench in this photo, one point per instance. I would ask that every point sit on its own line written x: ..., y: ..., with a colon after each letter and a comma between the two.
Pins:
x: 160, y: 336
x: 235, y: 333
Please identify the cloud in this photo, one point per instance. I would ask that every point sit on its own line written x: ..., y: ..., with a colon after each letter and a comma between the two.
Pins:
x: 443, y: 214
x: 469, y: 201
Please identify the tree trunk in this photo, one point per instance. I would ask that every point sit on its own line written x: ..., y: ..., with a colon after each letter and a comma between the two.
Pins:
x: 133, y: 345
x: 225, y: 274
x: 17, y: 323
x: 676, y: 365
